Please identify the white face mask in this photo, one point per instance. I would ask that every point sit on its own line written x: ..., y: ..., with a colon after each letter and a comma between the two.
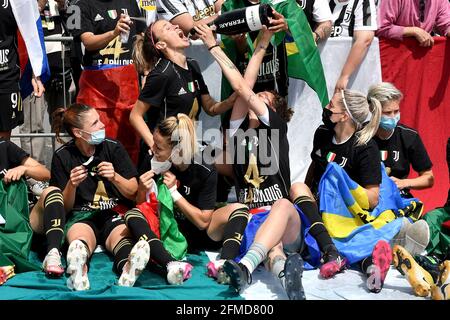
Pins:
x: 159, y: 167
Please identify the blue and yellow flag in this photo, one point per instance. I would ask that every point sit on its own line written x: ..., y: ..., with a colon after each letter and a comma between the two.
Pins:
x: 303, y: 56
x: 345, y: 211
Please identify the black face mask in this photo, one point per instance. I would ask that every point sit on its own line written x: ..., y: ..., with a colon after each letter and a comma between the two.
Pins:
x: 326, y: 115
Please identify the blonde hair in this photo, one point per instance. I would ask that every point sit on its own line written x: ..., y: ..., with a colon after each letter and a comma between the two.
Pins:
x: 385, y: 92
x: 365, y: 113
x: 180, y: 130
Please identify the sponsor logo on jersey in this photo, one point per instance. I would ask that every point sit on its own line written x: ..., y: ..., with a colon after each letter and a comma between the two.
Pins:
x: 204, y: 13
x: 336, y: 31
x: 147, y: 5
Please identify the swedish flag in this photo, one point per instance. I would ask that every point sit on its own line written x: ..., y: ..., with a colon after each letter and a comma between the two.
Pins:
x: 345, y: 211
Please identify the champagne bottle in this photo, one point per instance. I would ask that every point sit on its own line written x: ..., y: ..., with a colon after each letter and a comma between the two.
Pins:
x: 241, y: 20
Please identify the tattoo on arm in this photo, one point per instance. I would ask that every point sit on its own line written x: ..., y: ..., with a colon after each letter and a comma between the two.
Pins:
x: 222, y: 57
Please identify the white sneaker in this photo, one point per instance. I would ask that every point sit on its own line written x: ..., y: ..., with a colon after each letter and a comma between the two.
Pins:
x: 137, y: 261
x: 77, y: 256
x: 417, y: 237
x: 52, y: 264
x: 399, y: 238
x: 178, y: 271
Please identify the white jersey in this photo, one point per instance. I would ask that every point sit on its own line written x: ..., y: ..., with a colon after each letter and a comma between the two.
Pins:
x: 353, y: 15
x: 148, y: 8
x: 198, y: 9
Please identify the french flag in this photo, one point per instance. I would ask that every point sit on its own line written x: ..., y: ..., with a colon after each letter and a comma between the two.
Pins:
x: 33, y: 57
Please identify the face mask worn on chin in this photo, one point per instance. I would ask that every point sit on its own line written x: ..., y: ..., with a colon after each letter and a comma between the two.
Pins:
x: 159, y: 167
x: 388, y: 123
x: 97, y: 137
x: 326, y: 115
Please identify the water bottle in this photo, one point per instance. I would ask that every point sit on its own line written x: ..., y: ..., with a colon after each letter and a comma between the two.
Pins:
x: 242, y: 20
x: 124, y: 35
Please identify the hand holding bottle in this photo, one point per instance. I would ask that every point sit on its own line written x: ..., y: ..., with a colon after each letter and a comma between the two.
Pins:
x: 123, y: 25
x: 278, y: 23
x: 205, y: 33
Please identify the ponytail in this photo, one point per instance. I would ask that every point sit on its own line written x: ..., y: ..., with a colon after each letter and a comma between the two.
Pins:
x: 140, y: 63
x: 370, y: 129
x: 145, y: 53
x: 365, y: 113
x: 181, y: 133
x: 67, y: 119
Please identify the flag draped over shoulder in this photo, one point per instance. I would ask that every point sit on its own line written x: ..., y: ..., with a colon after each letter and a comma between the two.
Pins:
x: 16, y: 233
x: 345, y: 212
x: 34, y: 57
x: 302, y: 53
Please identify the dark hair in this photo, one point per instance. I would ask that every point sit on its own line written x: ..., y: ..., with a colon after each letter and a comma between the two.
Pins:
x: 280, y: 104
x: 145, y: 53
x: 69, y: 118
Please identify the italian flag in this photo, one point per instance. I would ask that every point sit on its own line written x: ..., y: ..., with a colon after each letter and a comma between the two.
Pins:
x: 158, y: 209
x: 191, y: 87
x: 331, y: 156
x: 384, y: 155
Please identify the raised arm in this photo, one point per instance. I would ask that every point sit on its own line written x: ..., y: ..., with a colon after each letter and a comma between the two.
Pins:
x: 238, y: 83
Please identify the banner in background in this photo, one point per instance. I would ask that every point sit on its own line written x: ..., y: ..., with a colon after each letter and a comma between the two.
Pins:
x: 423, y: 75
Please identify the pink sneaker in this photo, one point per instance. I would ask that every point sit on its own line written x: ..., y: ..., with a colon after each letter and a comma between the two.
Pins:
x: 332, y: 265
x: 381, y: 262
x: 215, y: 270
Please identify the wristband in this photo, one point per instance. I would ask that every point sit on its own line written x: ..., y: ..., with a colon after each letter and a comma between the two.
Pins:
x: 175, y: 194
x: 216, y: 45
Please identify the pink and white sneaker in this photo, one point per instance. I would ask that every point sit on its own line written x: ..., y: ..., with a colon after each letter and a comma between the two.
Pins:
x: 381, y: 262
x: 52, y: 264
x: 178, y: 272
x: 332, y: 265
x: 215, y: 270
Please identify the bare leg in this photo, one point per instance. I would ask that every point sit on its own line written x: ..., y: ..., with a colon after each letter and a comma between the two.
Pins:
x: 282, y: 224
x: 219, y: 220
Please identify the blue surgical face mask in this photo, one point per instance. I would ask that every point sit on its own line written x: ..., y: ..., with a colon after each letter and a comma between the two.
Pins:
x: 388, y: 123
x: 97, y: 137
